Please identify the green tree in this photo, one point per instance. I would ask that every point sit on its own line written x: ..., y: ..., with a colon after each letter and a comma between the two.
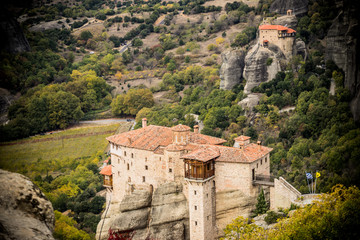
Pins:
x: 261, y: 205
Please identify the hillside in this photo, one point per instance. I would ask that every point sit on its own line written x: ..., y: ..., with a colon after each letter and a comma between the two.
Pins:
x: 168, y: 61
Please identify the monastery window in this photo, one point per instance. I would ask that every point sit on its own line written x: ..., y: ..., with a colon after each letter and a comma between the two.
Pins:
x: 170, y: 170
x: 194, y: 192
x: 257, y: 165
x: 261, y: 162
x: 146, y: 159
x: 117, y: 147
x: 207, y: 195
x: 125, y: 153
x: 143, y: 178
x: 146, y: 167
x: 132, y: 155
x: 266, y: 159
x: 128, y: 167
x: 170, y: 159
x: 207, y: 217
x: 195, y: 207
x: 195, y: 223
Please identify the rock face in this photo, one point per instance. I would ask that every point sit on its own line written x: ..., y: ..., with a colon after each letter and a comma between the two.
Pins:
x: 299, y: 7
x: 162, y: 215
x: 231, y: 69
x: 257, y: 69
x: 12, y: 37
x: 288, y: 21
x: 343, y: 47
x: 25, y: 213
x: 230, y: 205
x: 250, y: 102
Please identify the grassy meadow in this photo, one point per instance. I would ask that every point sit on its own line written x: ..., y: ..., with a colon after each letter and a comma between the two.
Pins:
x: 51, y: 152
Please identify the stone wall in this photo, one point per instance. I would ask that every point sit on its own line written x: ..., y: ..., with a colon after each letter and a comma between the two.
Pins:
x: 282, y: 194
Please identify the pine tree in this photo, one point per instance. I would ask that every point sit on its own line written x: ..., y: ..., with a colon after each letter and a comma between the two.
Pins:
x: 261, y: 206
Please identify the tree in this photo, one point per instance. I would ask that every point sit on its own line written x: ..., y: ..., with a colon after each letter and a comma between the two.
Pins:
x: 85, y: 35
x: 261, y: 205
x: 240, y: 229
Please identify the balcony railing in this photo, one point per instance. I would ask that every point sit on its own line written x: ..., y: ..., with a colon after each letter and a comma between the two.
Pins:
x: 108, y: 183
x: 199, y: 175
x: 263, y: 178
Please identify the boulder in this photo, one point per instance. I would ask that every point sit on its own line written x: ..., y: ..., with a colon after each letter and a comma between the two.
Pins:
x: 231, y: 68
x: 257, y: 70
x: 25, y: 212
x: 299, y: 7
x: 250, y: 102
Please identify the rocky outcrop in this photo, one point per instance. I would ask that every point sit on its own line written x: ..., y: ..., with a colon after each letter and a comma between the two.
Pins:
x: 162, y: 215
x: 25, y: 213
x: 342, y: 46
x: 250, y: 102
x: 299, y: 7
x: 230, y: 205
x: 288, y: 21
x: 231, y: 68
x: 257, y: 65
x: 12, y: 38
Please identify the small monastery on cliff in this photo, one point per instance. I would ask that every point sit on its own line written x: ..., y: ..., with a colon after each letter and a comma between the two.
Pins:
x: 152, y: 155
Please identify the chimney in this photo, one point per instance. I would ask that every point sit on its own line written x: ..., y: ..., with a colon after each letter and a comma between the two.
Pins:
x: 144, y: 122
x: 241, y: 145
x: 196, y: 129
x: 259, y: 144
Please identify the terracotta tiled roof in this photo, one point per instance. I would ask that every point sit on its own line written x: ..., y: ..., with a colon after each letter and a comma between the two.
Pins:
x: 181, y: 128
x: 106, y: 171
x: 250, y: 153
x: 242, y: 138
x: 203, y: 153
x: 276, y: 27
x: 151, y: 137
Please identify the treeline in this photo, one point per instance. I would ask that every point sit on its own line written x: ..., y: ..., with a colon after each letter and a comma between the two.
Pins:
x: 56, y: 105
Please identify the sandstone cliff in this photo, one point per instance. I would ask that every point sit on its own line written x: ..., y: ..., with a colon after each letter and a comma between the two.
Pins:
x: 161, y: 215
x: 257, y: 68
x: 12, y: 37
x: 25, y: 213
x: 233, y: 63
x: 299, y: 7
x: 342, y: 46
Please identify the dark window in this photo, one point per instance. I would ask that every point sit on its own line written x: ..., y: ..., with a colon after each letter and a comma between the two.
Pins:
x: 195, y: 223
x: 195, y: 207
x: 143, y: 178
x: 261, y: 161
x: 132, y: 155
x: 146, y: 167
x: 194, y: 192
x: 170, y: 170
x: 128, y: 166
x: 125, y: 153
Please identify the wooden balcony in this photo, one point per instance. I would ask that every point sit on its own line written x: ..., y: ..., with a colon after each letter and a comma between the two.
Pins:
x: 108, y: 182
x: 197, y: 170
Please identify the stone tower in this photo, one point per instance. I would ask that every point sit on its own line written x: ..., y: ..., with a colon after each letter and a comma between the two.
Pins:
x: 200, y: 178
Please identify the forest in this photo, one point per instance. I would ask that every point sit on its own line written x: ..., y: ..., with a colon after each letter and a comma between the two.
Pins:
x: 89, y: 66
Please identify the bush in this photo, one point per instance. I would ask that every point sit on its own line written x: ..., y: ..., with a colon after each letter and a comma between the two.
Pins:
x: 269, y: 61
x: 272, y: 217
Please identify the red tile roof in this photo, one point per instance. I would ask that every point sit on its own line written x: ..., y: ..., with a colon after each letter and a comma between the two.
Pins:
x: 276, y: 27
x: 203, y: 153
x: 106, y: 171
x: 181, y: 128
x: 151, y: 137
x: 242, y: 138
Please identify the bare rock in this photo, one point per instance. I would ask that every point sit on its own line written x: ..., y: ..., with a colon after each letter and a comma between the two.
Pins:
x: 342, y: 46
x: 288, y: 21
x: 299, y: 7
x: 257, y: 70
x: 231, y: 68
x: 250, y: 101
x: 169, y: 231
x: 25, y: 212
x: 131, y: 220
x: 137, y: 200
x: 13, y: 39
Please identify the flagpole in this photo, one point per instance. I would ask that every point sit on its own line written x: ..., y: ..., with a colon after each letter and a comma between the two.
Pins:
x: 312, y: 180
x: 307, y: 180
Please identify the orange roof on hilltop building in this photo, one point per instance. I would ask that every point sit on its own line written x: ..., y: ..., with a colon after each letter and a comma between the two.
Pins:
x: 106, y: 171
x: 203, y: 153
x: 152, y: 137
x: 276, y: 27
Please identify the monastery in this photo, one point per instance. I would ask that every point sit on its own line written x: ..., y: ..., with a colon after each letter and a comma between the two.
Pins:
x: 152, y: 155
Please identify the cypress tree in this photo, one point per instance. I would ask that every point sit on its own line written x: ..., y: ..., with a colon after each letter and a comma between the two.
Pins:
x: 261, y: 205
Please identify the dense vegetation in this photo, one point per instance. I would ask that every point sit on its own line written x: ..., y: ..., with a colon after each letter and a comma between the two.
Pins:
x: 334, y: 216
x: 67, y: 74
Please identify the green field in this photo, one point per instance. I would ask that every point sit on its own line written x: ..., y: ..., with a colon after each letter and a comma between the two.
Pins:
x: 52, y: 150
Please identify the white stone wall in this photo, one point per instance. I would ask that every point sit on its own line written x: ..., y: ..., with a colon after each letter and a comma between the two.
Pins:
x: 282, y: 194
x: 201, y: 210
x: 233, y: 176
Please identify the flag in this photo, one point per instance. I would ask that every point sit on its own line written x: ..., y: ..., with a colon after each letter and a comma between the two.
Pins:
x: 309, y: 176
x: 317, y: 175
